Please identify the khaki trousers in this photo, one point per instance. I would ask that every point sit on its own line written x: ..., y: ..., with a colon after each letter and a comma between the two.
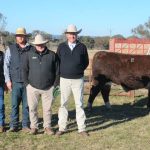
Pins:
x: 76, y: 86
x: 33, y: 96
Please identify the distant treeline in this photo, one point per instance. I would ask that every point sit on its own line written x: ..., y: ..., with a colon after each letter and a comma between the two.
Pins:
x: 91, y: 42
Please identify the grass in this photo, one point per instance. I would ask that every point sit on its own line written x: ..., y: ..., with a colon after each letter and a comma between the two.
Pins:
x: 126, y: 126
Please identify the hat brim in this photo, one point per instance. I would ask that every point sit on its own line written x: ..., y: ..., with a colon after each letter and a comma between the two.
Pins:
x: 21, y: 34
x: 39, y: 43
x: 28, y: 35
x: 73, y: 32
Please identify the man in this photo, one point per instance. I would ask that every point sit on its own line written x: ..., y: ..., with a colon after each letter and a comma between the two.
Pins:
x: 2, y: 81
x: 73, y: 59
x: 13, y: 72
x: 40, y: 70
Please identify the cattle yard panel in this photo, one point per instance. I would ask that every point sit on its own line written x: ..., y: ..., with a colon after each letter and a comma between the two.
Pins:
x: 129, y: 46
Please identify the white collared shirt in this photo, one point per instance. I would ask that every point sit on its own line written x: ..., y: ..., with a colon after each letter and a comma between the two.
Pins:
x: 71, y: 45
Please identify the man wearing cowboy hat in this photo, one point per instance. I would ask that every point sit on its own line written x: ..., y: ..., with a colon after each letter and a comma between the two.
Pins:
x: 73, y: 59
x: 40, y: 70
x: 13, y: 72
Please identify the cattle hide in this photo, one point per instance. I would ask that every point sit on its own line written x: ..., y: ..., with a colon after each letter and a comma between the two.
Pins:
x: 130, y: 71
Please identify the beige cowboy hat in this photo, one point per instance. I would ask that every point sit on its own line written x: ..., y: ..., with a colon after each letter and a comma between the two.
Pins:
x: 39, y: 39
x: 72, y: 29
x: 21, y: 31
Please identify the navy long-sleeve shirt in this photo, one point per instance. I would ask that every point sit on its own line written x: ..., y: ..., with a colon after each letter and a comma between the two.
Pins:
x: 72, y: 62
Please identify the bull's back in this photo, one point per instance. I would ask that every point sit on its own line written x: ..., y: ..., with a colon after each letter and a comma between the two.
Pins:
x: 120, y: 68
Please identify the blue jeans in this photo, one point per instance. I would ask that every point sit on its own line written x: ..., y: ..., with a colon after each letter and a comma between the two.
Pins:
x: 19, y: 95
x: 2, y: 107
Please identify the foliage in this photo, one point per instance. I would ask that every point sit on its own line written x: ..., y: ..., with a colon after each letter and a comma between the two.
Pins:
x: 9, y: 38
x: 88, y: 41
x: 2, y: 22
x: 132, y: 37
x: 45, y: 34
x: 118, y: 36
x: 101, y: 43
x: 142, y: 30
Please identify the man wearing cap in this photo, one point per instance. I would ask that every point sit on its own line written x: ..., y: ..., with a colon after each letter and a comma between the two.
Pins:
x: 40, y: 70
x: 73, y: 59
x: 13, y: 72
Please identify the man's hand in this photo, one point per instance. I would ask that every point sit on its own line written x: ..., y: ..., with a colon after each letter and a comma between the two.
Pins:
x: 57, y: 81
x: 9, y: 85
x: 5, y: 88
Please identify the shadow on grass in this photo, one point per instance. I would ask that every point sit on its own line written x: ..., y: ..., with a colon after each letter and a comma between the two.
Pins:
x: 118, y: 114
x: 101, y: 118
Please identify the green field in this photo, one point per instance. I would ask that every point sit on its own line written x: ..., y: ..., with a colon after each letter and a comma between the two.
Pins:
x: 125, y: 127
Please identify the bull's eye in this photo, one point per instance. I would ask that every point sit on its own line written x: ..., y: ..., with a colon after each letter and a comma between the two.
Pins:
x: 132, y: 59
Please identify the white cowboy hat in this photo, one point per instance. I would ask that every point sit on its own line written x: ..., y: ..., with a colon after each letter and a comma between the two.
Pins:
x: 72, y: 29
x: 21, y: 31
x: 39, y: 39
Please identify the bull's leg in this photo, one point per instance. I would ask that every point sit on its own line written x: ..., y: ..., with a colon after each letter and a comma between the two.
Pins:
x: 105, y: 94
x: 148, y: 103
x: 93, y: 93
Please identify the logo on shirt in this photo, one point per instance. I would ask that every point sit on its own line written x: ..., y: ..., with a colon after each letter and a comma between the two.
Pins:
x: 34, y: 57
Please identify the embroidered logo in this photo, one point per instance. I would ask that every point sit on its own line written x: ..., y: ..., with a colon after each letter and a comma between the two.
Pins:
x: 34, y: 57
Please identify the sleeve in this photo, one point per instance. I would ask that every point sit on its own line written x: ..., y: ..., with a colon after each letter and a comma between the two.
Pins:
x: 57, y: 79
x: 7, y: 59
x: 58, y: 53
x: 86, y: 58
x: 26, y: 69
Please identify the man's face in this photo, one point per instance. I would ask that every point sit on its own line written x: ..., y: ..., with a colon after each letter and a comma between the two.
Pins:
x: 71, y: 37
x: 20, y: 39
x: 40, y: 47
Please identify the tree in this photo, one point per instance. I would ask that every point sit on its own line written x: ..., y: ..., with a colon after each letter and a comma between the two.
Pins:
x: 45, y: 34
x: 88, y: 41
x: 142, y: 30
x: 9, y: 38
x: 2, y: 22
x: 133, y: 37
x: 2, y: 27
x: 118, y: 36
x: 101, y: 43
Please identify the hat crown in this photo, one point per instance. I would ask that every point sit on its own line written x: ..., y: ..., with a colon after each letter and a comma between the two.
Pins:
x: 39, y: 39
x: 71, y: 28
x: 21, y: 31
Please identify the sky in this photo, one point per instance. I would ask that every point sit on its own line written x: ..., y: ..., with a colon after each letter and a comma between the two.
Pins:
x: 95, y: 17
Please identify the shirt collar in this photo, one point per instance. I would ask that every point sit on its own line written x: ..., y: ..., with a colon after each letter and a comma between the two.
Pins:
x: 71, y: 43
